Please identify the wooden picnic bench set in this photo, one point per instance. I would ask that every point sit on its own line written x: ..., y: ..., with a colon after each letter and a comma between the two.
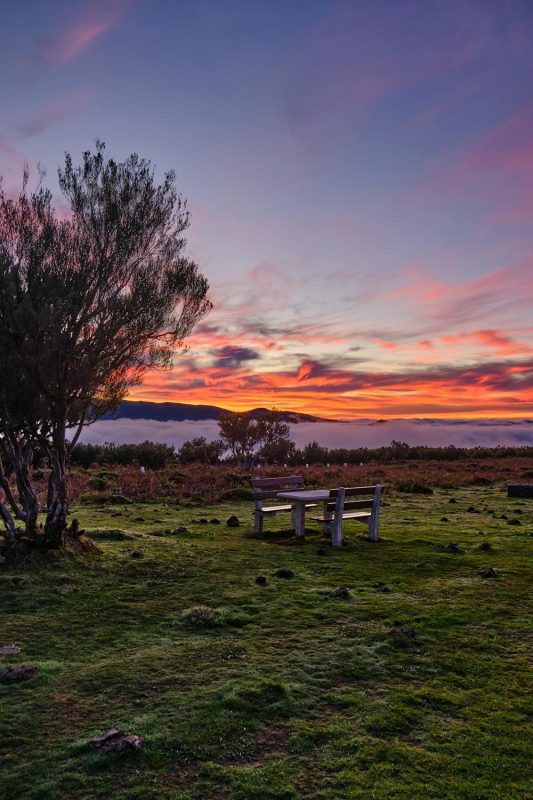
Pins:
x: 358, y: 503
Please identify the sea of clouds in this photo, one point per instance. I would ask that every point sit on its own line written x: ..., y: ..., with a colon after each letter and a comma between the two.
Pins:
x: 357, y: 433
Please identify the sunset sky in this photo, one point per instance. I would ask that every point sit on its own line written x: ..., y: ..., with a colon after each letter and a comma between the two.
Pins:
x: 360, y: 177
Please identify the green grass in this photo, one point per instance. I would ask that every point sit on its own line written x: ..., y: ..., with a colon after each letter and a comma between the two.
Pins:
x: 287, y: 692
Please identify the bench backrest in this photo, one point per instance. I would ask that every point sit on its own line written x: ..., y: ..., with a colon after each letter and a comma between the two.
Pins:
x: 337, y: 503
x: 267, y: 488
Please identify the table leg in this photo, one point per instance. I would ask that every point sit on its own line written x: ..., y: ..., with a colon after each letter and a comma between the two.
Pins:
x: 298, y: 518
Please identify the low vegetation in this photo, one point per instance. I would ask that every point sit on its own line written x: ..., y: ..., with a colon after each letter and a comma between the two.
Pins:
x: 389, y: 670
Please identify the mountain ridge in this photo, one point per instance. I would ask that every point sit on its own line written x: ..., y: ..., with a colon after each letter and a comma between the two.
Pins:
x: 179, y: 412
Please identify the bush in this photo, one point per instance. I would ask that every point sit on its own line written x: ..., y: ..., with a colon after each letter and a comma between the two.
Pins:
x: 98, y: 484
x: 412, y: 487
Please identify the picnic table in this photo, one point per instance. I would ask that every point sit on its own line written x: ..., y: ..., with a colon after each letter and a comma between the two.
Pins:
x: 298, y: 500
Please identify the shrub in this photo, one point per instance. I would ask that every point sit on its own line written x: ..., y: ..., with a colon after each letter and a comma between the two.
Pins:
x: 413, y: 487
x: 200, y: 616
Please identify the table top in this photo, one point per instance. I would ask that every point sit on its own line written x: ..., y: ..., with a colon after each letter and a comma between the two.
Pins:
x: 305, y: 495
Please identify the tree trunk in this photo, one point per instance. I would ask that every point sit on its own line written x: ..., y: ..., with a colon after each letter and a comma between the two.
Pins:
x: 10, y: 532
x: 56, y: 517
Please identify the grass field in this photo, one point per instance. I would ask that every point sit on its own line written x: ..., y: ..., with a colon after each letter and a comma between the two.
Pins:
x: 290, y: 692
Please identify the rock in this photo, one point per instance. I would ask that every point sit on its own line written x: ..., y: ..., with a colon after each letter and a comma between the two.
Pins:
x: 513, y: 522
x: 116, y: 741
x: 520, y: 490
x: 402, y: 633
x: 22, y: 672
x: 341, y: 591
x: 9, y: 650
x: 485, y: 546
x: 382, y: 587
x: 214, y: 521
x: 453, y: 547
x: 261, y: 580
x: 284, y: 572
x: 472, y: 510
x: 233, y: 522
x: 490, y: 572
x: 181, y: 529
x: 452, y: 500
x: 202, y: 521
x: 504, y: 516
x: 137, y: 554
x: 444, y: 519
x: 138, y: 519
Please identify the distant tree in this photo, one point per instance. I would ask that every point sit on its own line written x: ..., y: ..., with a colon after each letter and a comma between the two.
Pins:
x: 89, y: 304
x: 246, y: 436
x: 199, y: 450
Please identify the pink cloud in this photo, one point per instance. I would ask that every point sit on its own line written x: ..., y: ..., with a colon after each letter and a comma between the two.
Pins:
x: 74, y: 38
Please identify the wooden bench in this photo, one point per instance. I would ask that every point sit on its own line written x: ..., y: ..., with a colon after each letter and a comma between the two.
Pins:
x: 267, y: 489
x: 337, y: 509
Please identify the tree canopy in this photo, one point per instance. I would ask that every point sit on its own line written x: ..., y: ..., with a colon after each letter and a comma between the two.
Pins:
x: 89, y: 303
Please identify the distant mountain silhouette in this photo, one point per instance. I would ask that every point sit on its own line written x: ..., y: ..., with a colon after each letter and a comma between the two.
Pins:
x: 178, y: 412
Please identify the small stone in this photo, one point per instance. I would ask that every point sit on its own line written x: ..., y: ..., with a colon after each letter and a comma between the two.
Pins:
x: 181, y: 529
x: 9, y: 650
x: 444, y: 519
x: 453, y: 547
x: 261, y: 580
x: 504, y: 516
x: 490, y: 572
x: 202, y: 521
x: 116, y: 741
x: 513, y: 522
x: 452, y: 500
x: 138, y: 519
x: 472, y: 510
x: 137, y: 554
x: 402, y: 632
x: 284, y: 572
x: 214, y: 521
x: 233, y: 522
x: 341, y: 591
x: 486, y: 546
x: 22, y: 672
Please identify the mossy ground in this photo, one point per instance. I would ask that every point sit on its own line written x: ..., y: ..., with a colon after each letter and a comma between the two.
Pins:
x: 291, y: 693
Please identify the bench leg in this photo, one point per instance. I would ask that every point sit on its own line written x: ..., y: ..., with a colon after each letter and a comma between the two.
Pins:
x: 336, y: 533
x: 258, y: 522
x: 373, y: 527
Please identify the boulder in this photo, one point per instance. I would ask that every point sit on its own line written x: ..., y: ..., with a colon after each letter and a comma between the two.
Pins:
x: 233, y: 522
x: 19, y: 673
x: 115, y: 740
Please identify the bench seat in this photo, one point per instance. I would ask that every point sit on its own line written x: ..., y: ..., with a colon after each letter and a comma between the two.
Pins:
x: 353, y: 515
x: 273, y: 509
x: 337, y: 509
x: 268, y: 489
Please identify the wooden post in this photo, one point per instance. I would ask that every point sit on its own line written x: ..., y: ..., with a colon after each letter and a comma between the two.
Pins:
x: 258, y: 517
x: 336, y: 524
x: 373, y: 523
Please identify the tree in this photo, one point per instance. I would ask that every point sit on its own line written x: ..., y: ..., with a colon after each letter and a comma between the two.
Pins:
x: 200, y: 450
x: 89, y: 304
x: 245, y: 435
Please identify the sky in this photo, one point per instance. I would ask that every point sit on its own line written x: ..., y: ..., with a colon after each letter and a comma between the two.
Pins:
x: 359, y: 175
